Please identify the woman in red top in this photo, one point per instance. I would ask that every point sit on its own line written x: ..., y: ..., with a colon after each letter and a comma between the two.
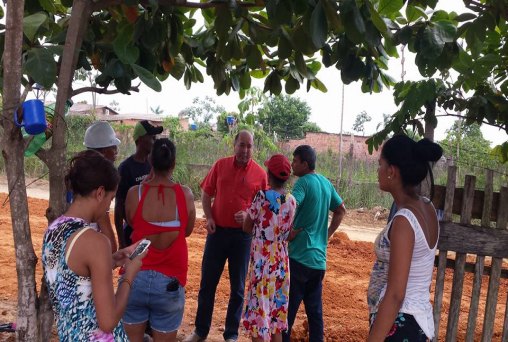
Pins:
x: 163, y: 212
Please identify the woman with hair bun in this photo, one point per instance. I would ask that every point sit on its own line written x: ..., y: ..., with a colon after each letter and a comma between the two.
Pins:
x: 399, y: 288
x: 77, y: 259
x: 163, y: 212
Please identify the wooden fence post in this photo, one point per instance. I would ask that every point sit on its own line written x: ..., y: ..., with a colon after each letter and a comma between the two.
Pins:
x: 460, y: 262
x: 495, y: 272
x: 443, y: 255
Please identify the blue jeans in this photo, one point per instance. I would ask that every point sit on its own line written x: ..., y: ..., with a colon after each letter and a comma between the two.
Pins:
x: 306, y: 284
x: 151, y: 301
x: 232, y: 245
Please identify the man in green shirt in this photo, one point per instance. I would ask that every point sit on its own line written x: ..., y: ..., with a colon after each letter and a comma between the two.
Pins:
x: 315, y: 197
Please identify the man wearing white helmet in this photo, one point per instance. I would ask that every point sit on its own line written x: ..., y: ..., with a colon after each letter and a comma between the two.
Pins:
x: 101, y: 137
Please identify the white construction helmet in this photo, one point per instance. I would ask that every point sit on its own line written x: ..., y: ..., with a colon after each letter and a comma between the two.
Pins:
x: 100, y: 134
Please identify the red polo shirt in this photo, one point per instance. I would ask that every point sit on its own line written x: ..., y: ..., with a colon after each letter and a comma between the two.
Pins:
x: 233, y: 188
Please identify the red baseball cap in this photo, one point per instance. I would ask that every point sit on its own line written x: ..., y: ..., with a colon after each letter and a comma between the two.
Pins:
x: 279, y: 166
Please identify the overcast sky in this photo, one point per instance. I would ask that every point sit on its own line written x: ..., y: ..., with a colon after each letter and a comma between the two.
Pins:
x: 326, y: 107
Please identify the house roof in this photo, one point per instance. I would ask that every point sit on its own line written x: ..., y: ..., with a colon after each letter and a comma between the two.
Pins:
x: 83, y: 108
x: 133, y: 116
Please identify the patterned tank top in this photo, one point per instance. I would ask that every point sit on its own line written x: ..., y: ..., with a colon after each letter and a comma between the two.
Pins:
x: 70, y: 294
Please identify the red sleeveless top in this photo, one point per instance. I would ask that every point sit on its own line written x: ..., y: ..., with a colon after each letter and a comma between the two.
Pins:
x: 173, y: 260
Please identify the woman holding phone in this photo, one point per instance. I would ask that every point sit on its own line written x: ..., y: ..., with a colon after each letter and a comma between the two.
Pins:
x: 77, y: 259
x: 163, y: 212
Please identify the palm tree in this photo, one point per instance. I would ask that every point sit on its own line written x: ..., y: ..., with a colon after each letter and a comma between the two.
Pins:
x: 157, y: 110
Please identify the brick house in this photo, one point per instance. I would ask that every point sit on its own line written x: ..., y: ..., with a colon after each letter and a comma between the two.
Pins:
x: 323, y: 142
x: 88, y: 109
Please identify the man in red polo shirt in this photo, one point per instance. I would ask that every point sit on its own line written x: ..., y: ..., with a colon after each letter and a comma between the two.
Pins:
x: 232, y: 183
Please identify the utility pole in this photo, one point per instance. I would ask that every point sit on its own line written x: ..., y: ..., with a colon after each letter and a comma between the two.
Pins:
x: 340, y: 139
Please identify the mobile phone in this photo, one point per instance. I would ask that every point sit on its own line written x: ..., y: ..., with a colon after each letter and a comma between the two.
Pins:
x: 141, y: 248
x: 173, y: 285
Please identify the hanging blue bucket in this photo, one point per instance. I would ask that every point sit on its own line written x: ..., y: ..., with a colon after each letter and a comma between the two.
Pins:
x: 230, y: 120
x: 193, y: 127
x: 34, y: 117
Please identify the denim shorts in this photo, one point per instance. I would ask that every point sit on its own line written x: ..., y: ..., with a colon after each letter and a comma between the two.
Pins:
x: 152, y: 300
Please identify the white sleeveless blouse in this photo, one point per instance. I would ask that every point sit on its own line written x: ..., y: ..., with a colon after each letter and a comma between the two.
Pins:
x: 417, y: 298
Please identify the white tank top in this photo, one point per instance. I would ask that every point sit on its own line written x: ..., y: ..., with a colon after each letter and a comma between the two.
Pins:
x: 417, y: 299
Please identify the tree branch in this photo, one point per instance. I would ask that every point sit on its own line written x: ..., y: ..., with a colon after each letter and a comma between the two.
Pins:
x: 183, y: 3
x: 500, y: 126
x: 25, y: 91
x: 100, y: 90
x: 42, y: 154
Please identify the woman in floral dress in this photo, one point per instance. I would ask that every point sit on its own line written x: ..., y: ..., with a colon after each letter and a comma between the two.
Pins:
x: 269, y: 220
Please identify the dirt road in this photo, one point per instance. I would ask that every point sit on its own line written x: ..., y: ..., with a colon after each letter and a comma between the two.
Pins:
x: 359, y: 225
x: 344, y: 294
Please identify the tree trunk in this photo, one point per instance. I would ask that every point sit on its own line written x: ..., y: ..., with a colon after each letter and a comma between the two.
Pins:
x: 46, y: 317
x: 56, y: 159
x: 430, y: 112
x: 429, y: 134
x: 12, y: 152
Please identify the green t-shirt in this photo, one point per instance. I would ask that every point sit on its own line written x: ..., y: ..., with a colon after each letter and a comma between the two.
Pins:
x: 315, y: 197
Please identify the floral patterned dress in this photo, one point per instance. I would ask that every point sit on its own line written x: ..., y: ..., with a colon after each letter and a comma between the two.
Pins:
x: 266, y: 302
x: 71, y: 295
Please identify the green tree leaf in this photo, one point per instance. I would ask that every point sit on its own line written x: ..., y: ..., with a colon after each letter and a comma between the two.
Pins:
x: 259, y: 73
x: 273, y: 84
x: 254, y: 57
x: 285, y: 48
x: 446, y: 30
x: 302, y: 41
x: 318, y: 26
x: 223, y: 22
x: 434, y: 38
x: 414, y: 13
x: 377, y: 20
x: 245, y: 80
x: 332, y: 16
x: 465, y: 17
x: 389, y: 8
x: 317, y: 84
x: 41, y: 66
x: 279, y: 11
x: 147, y: 77
x: 178, y: 67
x: 291, y: 85
x: 124, y: 49
x: 300, y: 65
x: 32, y: 23
x: 353, y: 21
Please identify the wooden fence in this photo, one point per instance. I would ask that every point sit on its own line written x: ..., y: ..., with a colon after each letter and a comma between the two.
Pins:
x: 485, y: 243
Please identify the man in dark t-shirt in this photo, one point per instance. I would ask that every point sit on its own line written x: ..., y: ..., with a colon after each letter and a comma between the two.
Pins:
x: 133, y: 171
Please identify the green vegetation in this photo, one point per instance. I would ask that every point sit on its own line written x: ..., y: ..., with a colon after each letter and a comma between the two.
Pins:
x: 470, y: 151
x: 286, y: 116
x: 287, y: 43
x: 284, y: 42
x: 360, y: 121
x: 197, y: 151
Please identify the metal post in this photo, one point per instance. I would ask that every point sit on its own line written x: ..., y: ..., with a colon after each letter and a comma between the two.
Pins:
x: 340, y: 140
